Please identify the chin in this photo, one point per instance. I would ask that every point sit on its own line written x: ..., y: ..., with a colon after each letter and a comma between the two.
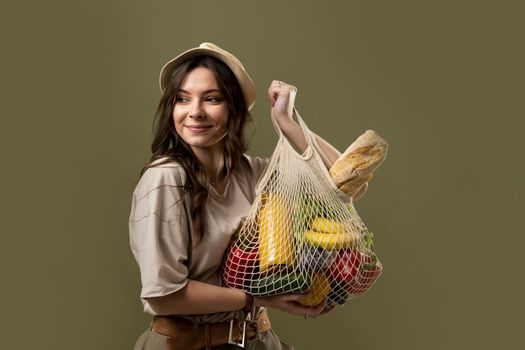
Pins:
x: 200, y: 143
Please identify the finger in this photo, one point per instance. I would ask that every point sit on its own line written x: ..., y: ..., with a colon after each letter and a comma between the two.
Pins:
x: 274, y: 91
x: 319, y: 308
x: 311, y: 312
x: 272, y: 97
x: 271, y: 90
x: 295, y: 296
x: 295, y: 308
x: 273, y: 94
x: 305, y: 311
x: 327, y: 309
x: 278, y: 83
x: 274, y: 87
x: 280, y: 86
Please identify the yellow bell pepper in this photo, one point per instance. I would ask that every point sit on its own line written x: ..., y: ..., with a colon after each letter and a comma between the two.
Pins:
x: 319, y: 290
x: 275, y: 233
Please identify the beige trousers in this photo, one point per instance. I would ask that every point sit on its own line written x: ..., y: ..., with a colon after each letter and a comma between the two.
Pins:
x: 150, y: 340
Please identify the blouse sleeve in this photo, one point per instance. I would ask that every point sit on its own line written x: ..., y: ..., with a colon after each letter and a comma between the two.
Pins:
x: 158, y: 229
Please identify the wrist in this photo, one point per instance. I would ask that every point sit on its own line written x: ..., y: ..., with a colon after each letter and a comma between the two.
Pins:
x: 248, y: 306
x: 258, y: 301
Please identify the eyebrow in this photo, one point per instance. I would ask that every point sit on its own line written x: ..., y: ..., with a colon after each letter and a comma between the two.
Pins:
x: 204, y: 92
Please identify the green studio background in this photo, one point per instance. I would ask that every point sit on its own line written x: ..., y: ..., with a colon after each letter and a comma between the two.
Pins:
x: 441, y: 81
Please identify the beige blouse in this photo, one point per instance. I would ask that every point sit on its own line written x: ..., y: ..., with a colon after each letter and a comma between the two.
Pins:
x: 160, y: 227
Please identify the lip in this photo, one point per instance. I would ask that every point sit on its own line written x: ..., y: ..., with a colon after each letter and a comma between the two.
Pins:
x: 198, y: 128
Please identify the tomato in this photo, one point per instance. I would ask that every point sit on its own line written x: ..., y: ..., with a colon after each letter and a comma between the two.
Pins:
x: 345, y: 266
x: 369, y: 272
x: 240, y: 266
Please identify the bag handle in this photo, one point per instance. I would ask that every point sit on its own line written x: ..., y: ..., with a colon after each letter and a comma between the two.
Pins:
x: 283, y: 143
x: 314, y: 151
x: 306, y: 132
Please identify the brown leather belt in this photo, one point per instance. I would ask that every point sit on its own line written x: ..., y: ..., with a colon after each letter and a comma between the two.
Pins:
x: 183, y: 334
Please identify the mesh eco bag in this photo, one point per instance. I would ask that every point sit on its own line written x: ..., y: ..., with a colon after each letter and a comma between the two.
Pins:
x: 302, y: 233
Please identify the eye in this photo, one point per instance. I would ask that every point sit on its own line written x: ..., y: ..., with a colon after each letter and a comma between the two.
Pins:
x: 180, y: 99
x: 214, y: 99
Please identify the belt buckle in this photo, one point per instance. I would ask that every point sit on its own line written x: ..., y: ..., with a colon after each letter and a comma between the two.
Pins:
x: 230, y: 336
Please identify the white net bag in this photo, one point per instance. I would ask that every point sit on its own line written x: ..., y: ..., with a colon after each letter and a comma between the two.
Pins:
x: 302, y: 233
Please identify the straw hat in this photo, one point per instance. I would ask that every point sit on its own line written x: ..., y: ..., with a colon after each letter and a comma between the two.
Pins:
x: 246, y: 83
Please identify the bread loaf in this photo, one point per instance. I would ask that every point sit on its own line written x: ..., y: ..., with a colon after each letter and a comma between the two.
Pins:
x: 356, y: 165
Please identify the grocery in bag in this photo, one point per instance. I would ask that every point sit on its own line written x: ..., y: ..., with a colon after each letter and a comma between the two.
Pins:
x: 302, y: 232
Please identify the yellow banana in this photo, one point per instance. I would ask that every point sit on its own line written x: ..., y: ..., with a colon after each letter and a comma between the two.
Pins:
x: 330, y: 234
x: 330, y: 241
x: 320, y: 224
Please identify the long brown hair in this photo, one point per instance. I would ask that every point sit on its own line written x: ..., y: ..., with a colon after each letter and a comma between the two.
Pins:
x: 167, y: 143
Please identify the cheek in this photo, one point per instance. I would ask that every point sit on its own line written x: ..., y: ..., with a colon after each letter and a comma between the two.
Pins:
x: 225, y: 116
x: 177, y: 122
x: 224, y: 122
x: 176, y: 117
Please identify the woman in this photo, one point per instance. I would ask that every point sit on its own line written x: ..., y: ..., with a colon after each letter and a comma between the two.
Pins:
x: 193, y: 194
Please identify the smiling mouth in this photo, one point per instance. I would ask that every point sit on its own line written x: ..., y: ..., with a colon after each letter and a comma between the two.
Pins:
x: 198, y: 128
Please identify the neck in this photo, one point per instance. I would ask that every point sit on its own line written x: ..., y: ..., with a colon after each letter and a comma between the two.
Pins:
x: 212, y: 161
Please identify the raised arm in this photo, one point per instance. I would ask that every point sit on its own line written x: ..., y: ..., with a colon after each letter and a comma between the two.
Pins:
x: 293, y: 131
x: 282, y: 99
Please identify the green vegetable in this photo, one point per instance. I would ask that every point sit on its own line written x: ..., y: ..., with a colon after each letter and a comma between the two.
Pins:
x: 338, y: 293
x: 306, y: 208
x: 280, y: 283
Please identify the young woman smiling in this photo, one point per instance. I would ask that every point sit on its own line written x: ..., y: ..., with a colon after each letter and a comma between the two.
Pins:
x: 194, y: 192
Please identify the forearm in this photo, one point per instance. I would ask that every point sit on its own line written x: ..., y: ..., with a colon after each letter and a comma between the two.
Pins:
x: 198, y: 298
x: 293, y: 131
x: 330, y: 151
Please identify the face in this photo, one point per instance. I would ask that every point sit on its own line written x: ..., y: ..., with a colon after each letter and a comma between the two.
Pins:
x: 200, y: 112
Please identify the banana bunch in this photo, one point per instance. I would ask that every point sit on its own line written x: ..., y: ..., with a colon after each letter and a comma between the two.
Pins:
x: 329, y: 234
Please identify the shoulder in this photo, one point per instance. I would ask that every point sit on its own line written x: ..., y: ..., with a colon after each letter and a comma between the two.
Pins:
x: 161, y: 173
x: 159, y: 194
x: 256, y: 163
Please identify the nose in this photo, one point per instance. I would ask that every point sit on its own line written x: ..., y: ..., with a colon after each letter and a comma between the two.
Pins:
x: 196, y: 110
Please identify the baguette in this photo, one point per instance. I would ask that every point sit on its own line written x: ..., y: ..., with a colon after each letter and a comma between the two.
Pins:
x: 356, y: 165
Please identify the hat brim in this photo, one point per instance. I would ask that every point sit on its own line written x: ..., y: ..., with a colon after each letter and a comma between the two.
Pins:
x: 208, y: 49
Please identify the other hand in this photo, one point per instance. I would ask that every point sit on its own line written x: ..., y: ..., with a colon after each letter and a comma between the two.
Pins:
x: 289, y: 303
x: 282, y: 99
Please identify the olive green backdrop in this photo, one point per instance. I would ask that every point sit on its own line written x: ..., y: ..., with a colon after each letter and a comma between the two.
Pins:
x: 441, y: 81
